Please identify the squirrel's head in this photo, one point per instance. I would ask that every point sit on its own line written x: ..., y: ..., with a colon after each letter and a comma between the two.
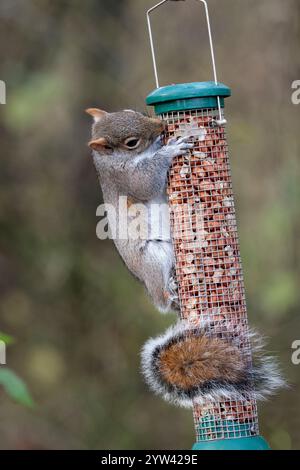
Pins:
x: 125, y: 131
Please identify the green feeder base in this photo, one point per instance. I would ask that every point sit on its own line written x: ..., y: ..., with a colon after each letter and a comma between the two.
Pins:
x: 242, y: 443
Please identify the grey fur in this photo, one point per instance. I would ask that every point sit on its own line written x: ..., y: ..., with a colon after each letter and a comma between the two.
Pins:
x: 140, y: 174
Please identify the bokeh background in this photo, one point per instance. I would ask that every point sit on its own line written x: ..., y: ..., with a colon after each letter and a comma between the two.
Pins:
x: 77, y: 317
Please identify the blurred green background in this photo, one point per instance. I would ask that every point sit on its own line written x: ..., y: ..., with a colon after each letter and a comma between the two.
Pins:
x: 77, y: 316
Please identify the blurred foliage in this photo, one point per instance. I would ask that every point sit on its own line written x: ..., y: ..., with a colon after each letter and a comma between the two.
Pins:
x: 10, y: 382
x: 7, y: 339
x: 79, y: 317
x: 15, y: 387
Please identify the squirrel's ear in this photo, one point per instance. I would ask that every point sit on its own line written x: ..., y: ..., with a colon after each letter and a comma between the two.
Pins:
x: 96, y: 113
x: 97, y: 144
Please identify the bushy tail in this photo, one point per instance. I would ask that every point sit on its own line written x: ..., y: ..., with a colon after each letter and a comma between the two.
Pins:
x: 189, y: 365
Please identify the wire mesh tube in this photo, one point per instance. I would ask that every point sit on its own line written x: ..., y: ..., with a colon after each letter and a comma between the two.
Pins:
x: 207, y: 257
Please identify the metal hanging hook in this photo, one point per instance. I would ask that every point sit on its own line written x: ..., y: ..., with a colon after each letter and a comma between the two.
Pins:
x: 221, y: 120
x: 151, y: 39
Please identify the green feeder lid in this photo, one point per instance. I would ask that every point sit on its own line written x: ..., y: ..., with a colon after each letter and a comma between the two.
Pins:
x: 185, y: 96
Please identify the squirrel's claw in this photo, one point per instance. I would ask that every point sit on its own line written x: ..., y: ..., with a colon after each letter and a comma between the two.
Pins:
x: 176, y: 147
x: 176, y: 140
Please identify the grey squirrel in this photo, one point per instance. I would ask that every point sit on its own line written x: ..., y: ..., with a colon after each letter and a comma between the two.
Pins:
x: 131, y: 160
x: 186, y: 365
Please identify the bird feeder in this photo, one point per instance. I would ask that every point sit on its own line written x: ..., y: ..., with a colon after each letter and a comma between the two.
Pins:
x: 206, y: 246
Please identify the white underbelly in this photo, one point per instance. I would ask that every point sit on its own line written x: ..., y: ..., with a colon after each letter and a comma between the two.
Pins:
x: 158, y: 219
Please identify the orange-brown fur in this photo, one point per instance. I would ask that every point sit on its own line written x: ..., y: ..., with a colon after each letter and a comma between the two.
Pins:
x: 194, y: 360
x: 189, y: 365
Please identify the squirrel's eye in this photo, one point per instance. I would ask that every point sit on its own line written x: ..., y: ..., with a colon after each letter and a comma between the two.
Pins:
x: 132, y: 143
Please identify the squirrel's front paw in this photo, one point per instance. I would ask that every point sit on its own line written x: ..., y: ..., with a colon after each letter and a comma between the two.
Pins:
x: 176, y: 147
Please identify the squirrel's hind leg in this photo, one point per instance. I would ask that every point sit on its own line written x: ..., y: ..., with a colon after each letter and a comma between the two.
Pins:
x: 158, y: 267
x: 172, y: 288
